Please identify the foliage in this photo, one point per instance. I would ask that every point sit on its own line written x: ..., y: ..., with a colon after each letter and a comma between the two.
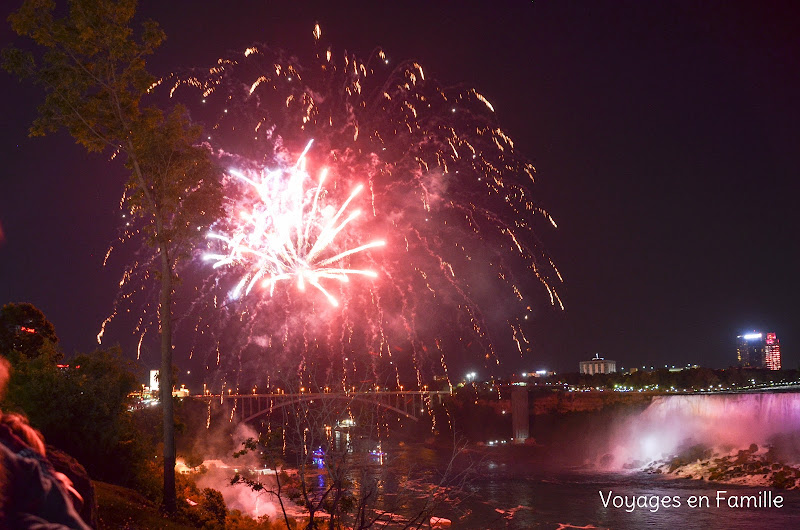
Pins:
x: 25, y: 329
x: 120, y: 507
x: 83, y: 410
x: 180, y: 184
x: 202, y: 508
x: 213, y: 503
x: 150, y: 478
x: 125, y: 508
x: 237, y: 521
x: 92, y: 69
x: 91, y: 66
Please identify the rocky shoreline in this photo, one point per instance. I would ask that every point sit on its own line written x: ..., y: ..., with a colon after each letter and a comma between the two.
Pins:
x: 754, y: 466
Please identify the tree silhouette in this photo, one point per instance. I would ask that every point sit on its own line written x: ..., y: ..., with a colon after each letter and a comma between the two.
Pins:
x: 91, y: 66
x: 25, y: 329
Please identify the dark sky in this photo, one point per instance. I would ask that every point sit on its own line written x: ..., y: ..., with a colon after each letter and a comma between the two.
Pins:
x: 666, y: 136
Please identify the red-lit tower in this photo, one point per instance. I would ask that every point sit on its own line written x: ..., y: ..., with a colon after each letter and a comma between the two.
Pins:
x: 772, y: 352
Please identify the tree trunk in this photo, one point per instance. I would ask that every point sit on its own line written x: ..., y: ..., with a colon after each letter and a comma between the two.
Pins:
x: 165, y: 379
x: 165, y: 322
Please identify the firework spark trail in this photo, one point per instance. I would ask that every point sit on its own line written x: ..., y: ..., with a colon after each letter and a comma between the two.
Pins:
x: 287, y: 233
x: 447, y: 189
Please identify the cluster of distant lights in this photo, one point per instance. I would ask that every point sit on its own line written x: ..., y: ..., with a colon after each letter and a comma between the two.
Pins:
x: 473, y: 376
x: 539, y: 373
x: 139, y: 397
x: 733, y: 387
x: 470, y: 378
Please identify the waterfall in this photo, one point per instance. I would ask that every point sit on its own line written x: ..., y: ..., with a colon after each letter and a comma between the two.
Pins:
x: 715, y: 420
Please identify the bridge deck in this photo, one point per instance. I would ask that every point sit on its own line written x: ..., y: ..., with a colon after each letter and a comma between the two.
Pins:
x: 408, y: 403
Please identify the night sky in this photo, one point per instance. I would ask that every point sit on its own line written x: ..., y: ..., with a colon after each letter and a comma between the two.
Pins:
x: 666, y: 136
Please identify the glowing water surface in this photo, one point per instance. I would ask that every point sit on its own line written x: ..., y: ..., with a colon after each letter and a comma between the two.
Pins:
x: 507, y: 500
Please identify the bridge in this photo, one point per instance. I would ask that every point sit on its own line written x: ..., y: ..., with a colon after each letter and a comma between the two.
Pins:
x: 410, y: 404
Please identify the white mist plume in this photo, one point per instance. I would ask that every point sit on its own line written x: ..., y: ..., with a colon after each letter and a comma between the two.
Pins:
x: 732, y: 420
x: 239, y: 496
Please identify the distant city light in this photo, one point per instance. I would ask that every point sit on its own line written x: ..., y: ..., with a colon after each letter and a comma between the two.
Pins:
x: 751, y: 336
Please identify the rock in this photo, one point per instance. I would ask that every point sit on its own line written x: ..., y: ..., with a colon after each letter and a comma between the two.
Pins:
x: 636, y: 464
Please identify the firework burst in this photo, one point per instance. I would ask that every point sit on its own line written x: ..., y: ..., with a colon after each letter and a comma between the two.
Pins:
x: 289, y: 234
x: 443, y: 184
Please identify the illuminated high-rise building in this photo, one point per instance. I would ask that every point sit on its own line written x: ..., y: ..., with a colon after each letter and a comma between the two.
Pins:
x: 758, y: 350
x: 750, y: 350
x: 772, y: 352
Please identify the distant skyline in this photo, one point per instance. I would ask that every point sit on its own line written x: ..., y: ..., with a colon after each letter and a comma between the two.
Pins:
x: 665, y: 136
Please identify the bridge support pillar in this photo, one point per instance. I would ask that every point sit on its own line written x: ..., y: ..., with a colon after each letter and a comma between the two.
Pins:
x: 520, y: 415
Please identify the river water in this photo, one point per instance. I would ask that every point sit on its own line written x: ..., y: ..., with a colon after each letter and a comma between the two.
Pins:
x: 574, y: 499
x: 515, y: 494
x: 557, y: 484
x: 521, y: 488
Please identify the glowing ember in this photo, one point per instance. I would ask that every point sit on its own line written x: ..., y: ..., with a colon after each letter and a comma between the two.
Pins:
x: 289, y: 234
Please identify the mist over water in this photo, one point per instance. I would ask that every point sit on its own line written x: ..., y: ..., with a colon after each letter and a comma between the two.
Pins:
x: 556, y: 481
x: 220, y: 469
x: 239, y: 496
x: 723, y: 421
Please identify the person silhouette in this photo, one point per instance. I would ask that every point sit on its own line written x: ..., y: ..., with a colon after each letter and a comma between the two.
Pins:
x: 32, y: 494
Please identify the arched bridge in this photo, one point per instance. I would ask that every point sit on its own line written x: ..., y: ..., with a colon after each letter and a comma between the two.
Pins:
x: 409, y: 404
